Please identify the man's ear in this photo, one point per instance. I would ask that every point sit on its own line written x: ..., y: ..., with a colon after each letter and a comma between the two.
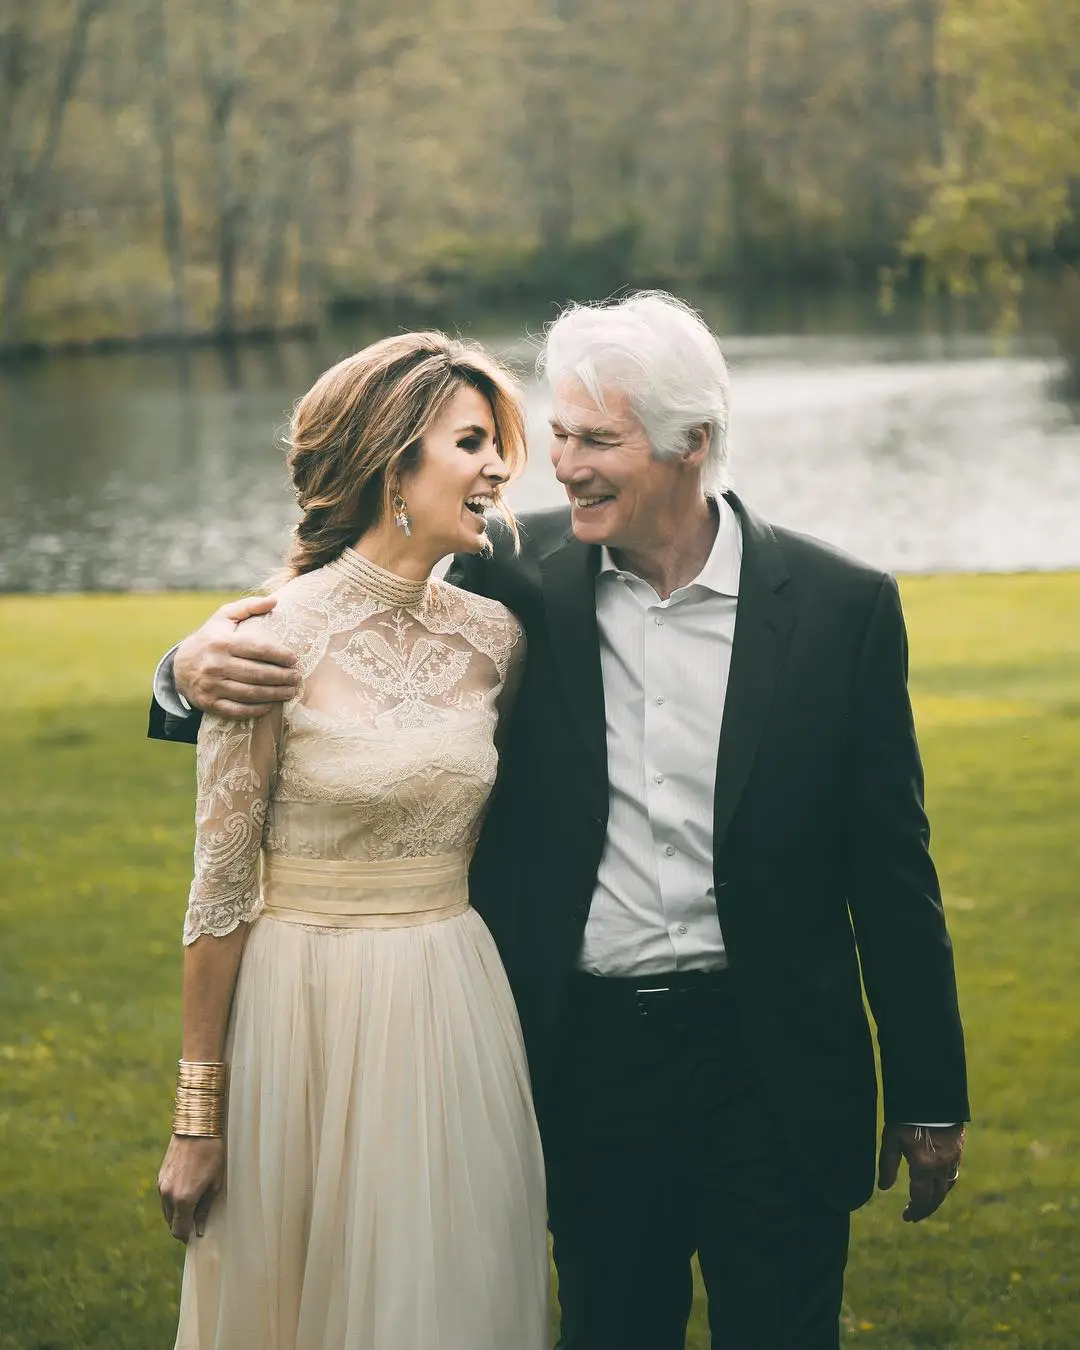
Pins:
x: 697, y: 443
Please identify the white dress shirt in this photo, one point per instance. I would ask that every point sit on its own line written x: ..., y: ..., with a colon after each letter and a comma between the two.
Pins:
x: 665, y: 667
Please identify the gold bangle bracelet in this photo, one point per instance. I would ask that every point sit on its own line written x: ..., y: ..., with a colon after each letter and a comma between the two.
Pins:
x: 199, y: 1115
x: 203, y: 1075
x: 199, y: 1108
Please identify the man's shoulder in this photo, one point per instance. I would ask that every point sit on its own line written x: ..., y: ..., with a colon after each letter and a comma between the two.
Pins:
x: 806, y: 553
x: 541, y: 531
x: 814, y: 571
x: 810, y: 551
x: 510, y: 571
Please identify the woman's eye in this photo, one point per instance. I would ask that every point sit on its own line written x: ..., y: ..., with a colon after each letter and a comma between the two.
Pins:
x: 470, y: 443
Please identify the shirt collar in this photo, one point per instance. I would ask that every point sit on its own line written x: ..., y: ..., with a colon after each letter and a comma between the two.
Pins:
x: 724, y: 563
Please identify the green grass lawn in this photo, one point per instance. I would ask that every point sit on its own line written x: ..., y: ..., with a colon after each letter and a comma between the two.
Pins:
x: 95, y: 838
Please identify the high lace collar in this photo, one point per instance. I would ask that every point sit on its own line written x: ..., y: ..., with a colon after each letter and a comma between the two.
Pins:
x: 385, y: 586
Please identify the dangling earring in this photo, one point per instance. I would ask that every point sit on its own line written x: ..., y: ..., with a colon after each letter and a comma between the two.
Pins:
x: 401, y: 515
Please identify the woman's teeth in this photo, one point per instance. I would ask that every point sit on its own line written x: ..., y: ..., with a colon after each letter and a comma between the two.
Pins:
x: 478, y: 505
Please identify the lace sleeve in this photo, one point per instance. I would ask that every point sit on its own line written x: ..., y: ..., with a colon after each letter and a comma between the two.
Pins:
x: 235, y: 768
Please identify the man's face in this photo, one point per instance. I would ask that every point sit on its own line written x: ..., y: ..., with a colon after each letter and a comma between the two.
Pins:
x: 620, y: 494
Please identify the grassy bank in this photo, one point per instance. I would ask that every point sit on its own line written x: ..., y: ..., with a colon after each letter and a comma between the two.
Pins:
x: 94, y: 850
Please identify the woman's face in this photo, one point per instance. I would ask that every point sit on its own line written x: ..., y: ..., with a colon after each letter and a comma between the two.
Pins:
x: 456, y: 479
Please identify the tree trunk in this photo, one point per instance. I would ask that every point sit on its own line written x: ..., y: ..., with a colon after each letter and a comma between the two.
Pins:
x: 24, y: 214
x: 928, y: 14
x: 279, y: 211
x: 551, y: 132
x: 15, y: 68
x: 742, y: 177
x: 222, y: 85
x: 171, y: 214
x: 308, y: 277
x: 879, y: 122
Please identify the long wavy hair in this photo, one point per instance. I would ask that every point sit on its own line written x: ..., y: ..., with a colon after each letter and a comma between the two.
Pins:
x: 362, y: 423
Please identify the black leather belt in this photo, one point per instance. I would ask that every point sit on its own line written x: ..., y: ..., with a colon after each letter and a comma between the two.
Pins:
x: 652, y: 995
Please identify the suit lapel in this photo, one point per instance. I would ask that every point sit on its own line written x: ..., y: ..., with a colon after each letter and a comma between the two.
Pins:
x: 763, y: 627
x: 569, y: 585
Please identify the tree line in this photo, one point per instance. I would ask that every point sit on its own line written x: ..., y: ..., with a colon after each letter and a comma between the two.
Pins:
x: 228, y: 166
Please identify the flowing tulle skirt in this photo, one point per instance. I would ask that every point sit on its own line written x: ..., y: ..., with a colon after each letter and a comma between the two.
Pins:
x: 384, y: 1185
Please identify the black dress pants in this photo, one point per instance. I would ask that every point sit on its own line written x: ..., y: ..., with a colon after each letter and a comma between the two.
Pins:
x: 660, y: 1142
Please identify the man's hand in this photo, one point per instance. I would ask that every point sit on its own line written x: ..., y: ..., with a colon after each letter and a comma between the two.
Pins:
x: 933, y: 1156
x: 235, y: 671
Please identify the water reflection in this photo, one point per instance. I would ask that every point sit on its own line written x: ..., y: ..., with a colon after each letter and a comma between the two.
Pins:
x: 915, y: 450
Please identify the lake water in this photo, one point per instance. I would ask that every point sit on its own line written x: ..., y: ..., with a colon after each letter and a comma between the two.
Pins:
x: 912, y: 448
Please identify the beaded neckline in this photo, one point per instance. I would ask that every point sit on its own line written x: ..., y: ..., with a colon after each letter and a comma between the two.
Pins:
x: 377, y: 581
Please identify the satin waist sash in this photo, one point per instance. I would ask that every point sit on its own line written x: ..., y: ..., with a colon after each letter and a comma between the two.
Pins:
x: 399, y: 893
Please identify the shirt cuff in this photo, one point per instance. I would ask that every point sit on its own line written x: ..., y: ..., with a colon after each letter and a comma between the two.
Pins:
x: 165, y: 690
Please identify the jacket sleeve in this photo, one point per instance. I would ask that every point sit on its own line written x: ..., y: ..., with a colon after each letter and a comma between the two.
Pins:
x: 168, y: 720
x: 893, y: 891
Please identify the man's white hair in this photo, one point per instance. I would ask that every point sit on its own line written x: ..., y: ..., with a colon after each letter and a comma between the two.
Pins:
x: 662, y: 355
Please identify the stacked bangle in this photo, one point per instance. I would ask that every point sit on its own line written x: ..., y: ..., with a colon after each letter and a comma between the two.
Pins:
x: 200, y: 1099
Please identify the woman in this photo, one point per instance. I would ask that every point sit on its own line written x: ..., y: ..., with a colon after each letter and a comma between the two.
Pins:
x: 371, y: 1178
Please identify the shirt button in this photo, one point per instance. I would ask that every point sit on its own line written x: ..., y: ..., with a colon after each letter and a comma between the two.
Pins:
x: 670, y: 850
x: 658, y: 777
x: 681, y: 930
x: 659, y: 621
x: 660, y: 700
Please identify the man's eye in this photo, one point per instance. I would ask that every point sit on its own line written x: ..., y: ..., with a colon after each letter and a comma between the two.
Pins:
x: 559, y: 435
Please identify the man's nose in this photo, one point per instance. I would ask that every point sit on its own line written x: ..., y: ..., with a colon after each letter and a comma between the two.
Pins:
x: 568, y: 469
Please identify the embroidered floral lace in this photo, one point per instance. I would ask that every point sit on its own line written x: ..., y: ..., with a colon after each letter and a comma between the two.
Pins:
x: 387, y: 750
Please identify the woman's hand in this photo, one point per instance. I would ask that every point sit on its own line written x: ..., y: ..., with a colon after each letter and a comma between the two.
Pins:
x: 191, y: 1175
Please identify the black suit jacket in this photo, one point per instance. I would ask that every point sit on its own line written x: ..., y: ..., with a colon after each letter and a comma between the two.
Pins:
x: 820, y: 837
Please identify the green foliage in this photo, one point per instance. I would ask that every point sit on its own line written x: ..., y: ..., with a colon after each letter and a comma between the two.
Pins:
x: 1011, y: 151
x: 94, y: 856
x: 223, y: 164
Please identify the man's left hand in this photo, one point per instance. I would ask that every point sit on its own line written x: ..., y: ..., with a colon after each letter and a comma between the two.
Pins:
x: 933, y: 1156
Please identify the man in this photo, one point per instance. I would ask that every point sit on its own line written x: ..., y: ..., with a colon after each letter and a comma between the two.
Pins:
x: 709, y: 817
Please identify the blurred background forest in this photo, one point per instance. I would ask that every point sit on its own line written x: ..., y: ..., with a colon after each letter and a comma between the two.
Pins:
x: 231, y: 166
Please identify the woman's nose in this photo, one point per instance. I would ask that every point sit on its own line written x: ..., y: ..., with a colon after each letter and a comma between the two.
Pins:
x: 495, y: 471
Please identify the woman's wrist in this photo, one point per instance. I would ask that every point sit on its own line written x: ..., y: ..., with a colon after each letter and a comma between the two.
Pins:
x: 199, y: 1110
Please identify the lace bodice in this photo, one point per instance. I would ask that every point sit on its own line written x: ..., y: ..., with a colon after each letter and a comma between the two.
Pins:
x: 386, y: 751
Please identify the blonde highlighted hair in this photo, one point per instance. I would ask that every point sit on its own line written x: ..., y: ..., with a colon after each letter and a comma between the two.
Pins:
x: 362, y: 423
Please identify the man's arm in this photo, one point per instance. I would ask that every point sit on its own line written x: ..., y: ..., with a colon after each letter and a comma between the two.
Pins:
x: 899, y: 923
x: 172, y: 718
x: 221, y: 668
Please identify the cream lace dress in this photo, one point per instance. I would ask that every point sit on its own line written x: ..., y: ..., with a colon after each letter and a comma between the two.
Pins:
x: 384, y: 1185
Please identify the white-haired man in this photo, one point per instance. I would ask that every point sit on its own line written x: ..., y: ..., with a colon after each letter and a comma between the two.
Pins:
x: 709, y: 816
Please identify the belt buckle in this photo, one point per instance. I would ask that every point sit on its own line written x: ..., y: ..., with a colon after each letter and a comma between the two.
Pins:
x: 656, y: 994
